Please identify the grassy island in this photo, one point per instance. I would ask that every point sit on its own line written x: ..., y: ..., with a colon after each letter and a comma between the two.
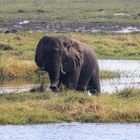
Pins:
x: 69, y: 106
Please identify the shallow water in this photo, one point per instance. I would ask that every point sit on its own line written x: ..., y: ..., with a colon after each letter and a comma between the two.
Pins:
x: 122, y: 14
x: 17, y: 86
x: 128, y: 29
x: 117, y: 84
x: 130, y: 77
x: 71, y: 131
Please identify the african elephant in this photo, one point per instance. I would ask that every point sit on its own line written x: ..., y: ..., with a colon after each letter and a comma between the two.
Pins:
x: 69, y: 62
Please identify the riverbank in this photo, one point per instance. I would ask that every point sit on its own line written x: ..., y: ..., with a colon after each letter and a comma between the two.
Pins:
x: 70, y: 106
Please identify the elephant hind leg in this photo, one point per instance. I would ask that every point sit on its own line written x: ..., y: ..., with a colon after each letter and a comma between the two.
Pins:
x: 94, y: 84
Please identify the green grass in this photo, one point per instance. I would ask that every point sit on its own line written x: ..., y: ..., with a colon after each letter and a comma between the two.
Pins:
x: 107, y: 46
x: 112, y: 46
x: 105, y: 74
x: 33, y: 108
x: 70, y: 11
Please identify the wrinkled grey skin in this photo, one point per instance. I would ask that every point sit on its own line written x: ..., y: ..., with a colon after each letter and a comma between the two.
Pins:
x: 69, y: 62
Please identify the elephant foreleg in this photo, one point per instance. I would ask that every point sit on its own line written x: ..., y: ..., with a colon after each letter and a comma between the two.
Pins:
x: 70, y: 79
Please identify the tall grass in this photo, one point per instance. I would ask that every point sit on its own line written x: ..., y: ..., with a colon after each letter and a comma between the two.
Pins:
x: 13, y: 68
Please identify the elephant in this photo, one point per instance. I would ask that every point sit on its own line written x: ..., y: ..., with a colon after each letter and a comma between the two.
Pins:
x: 68, y: 62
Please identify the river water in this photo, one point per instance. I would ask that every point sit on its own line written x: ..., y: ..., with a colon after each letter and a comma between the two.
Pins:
x: 71, y: 131
x: 130, y: 77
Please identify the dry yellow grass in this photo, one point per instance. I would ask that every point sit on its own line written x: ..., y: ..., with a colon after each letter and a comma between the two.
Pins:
x: 13, y: 68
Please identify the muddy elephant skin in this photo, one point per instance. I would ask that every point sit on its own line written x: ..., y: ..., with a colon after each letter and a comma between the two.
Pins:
x: 68, y: 62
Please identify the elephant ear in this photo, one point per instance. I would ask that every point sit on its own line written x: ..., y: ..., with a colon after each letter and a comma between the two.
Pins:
x: 40, y: 50
x: 73, y: 55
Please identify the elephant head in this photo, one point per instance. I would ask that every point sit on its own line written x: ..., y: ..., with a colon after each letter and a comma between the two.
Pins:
x: 57, y: 56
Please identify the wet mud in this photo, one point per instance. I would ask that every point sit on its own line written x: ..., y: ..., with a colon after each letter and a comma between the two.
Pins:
x: 54, y: 26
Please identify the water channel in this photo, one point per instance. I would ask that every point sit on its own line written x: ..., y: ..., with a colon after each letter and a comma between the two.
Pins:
x: 71, y: 131
x: 130, y: 77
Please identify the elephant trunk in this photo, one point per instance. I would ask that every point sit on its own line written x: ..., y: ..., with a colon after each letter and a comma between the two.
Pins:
x: 54, y: 73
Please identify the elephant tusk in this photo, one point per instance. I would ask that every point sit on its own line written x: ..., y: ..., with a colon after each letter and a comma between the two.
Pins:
x: 63, y: 72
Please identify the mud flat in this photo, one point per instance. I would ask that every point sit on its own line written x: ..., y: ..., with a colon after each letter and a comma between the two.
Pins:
x: 26, y: 25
